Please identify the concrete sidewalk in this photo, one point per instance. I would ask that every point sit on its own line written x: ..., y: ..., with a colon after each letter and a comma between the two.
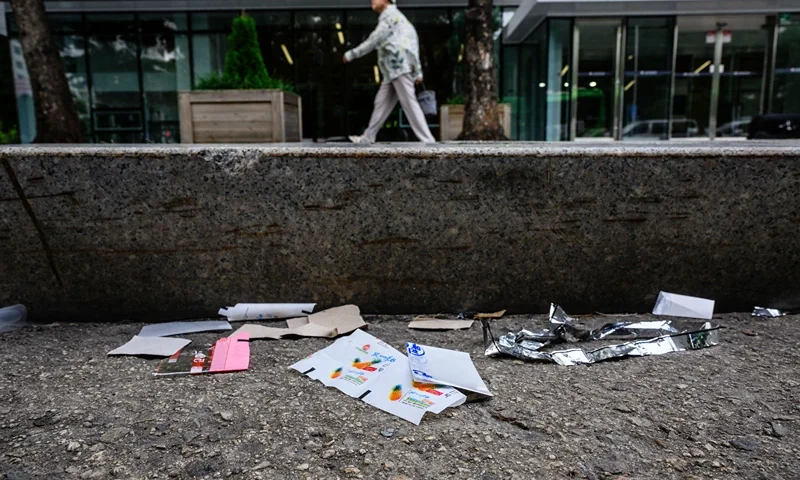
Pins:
x: 68, y: 411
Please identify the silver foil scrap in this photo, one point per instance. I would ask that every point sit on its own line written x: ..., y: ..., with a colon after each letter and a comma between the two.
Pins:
x: 649, y: 338
x: 773, y: 312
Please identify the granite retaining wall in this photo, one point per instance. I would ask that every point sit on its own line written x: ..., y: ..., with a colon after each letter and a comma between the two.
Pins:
x: 148, y: 232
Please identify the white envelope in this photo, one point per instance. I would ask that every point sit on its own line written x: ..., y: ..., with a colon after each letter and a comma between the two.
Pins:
x: 445, y: 367
x: 266, y: 311
x: 151, y: 346
x: 180, y: 328
x: 682, y: 306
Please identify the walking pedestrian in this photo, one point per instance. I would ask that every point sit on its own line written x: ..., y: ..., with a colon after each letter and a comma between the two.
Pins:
x: 397, y: 43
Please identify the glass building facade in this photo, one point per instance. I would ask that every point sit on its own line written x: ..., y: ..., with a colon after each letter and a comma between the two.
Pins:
x: 654, y: 78
x: 568, y: 77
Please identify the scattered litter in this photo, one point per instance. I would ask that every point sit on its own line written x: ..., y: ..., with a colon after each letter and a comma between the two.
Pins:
x: 266, y: 311
x: 325, y: 324
x: 226, y: 355
x: 424, y: 323
x: 151, y: 346
x: 656, y: 338
x: 466, y: 315
x: 769, y: 312
x: 682, y: 306
x: 446, y: 367
x: 180, y: 328
x: 480, y: 316
x: 367, y: 368
x: 13, y: 318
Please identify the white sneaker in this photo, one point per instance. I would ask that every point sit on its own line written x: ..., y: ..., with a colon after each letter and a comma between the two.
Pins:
x: 357, y: 139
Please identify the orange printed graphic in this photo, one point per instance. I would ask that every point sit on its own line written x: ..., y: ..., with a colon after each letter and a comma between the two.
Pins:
x: 337, y: 373
x: 397, y: 393
x: 366, y: 366
x: 427, y: 387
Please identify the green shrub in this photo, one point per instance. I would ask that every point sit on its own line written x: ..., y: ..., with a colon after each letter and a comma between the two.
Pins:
x: 456, y: 100
x: 244, y: 65
x: 8, y: 136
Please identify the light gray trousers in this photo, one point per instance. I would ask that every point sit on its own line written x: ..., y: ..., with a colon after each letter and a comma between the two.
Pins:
x: 401, y: 88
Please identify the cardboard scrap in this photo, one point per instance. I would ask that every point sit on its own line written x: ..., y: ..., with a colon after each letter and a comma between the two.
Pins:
x: 151, y: 346
x: 367, y: 368
x: 266, y: 311
x: 499, y: 314
x: 325, y: 324
x: 683, y: 306
x: 448, y: 367
x: 180, y: 328
x: 227, y: 355
x: 422, y: 323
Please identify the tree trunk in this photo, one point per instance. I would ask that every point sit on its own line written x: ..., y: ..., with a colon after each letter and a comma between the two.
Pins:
x: 56, y: 118
x: 481, y: 120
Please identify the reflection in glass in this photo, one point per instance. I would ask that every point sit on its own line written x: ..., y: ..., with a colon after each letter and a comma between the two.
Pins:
x: 510, y: 90
x: 598, y: 49
x: 787, y: 66
x: 208, y: 51
x: 533, y: 77
x: 559, y: 49
x: 648, y: 76
x: 693, y: 72
x: 115, y: 83
x: 165, y: 72
x: 73, y: 55
x: 742, y: 74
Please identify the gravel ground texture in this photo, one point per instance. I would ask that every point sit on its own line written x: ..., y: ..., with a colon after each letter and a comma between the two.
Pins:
x: 732, y: 411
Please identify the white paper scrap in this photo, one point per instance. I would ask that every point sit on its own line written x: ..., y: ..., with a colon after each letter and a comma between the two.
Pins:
x: 447, y: 367
x: 367, y: 368
x: 266, y: 311
x: 682, y: 306
x: 180, y: 328
x: 151, y: 346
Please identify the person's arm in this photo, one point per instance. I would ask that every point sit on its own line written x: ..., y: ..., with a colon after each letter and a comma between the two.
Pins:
x: 375, y: 38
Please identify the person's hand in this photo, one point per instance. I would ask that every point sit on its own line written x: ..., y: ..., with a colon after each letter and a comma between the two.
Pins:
x: 344, y: 59
x: 418, y: 81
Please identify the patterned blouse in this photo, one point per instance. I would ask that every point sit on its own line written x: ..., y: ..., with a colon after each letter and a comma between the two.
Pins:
x: 397, y: 43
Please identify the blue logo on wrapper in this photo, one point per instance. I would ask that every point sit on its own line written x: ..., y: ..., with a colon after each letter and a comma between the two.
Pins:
x: 421, y: 374
x: 414, y: 349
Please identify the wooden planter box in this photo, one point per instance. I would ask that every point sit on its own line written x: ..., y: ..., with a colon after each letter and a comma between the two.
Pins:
x: 240, y: 116
x: 451, y: 120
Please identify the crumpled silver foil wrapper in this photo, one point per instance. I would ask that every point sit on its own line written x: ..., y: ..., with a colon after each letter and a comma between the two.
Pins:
x: 650, y: 338
x: 773, y: 312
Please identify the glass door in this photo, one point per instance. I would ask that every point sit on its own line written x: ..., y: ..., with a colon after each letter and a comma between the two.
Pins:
x: 694, y: 66
x: 720, y: 75
x: 595, y: 80
x: 743, y: 73
x: 647, y: 78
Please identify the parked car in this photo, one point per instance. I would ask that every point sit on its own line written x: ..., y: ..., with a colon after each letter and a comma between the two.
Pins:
x: 775, y: 125
x: 657, y: 129
x: 737, y: 128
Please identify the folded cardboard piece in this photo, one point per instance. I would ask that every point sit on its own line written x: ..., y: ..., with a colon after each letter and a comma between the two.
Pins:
x: 446, y: 367
x: 367, y: 368
x: 227, y: 355
x: 479, y: 316
x: 266, y: 311
x: 424, y: 323
x: 151, y: 346
x: 181, y: 328
x: 683, y: 306
x: 329, y: 323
